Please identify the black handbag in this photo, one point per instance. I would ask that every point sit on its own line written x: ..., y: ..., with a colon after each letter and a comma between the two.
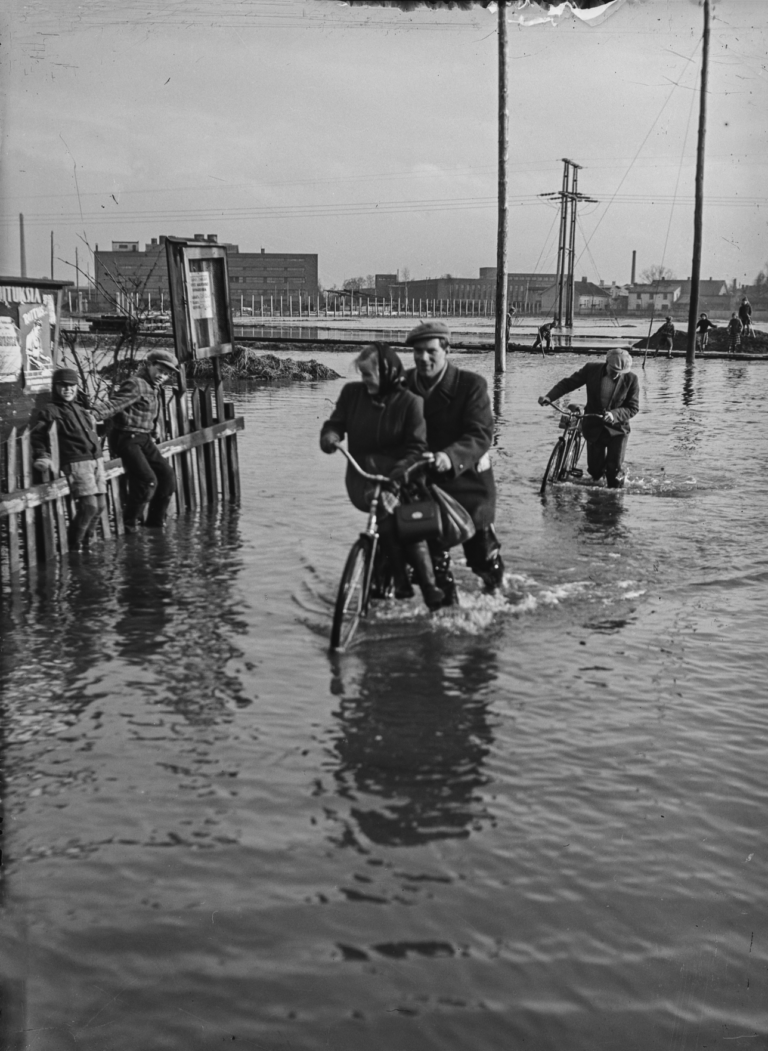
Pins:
x: 456, y: 521
x: 418, y: 521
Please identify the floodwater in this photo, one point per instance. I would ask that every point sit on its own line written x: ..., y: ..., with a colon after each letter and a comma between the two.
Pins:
x: 538, y: 821
x: 604, y: 331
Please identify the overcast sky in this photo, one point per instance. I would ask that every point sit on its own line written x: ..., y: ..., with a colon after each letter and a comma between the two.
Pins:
x: 369, y: 135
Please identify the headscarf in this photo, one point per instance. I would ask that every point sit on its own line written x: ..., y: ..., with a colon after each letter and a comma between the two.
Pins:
x: 391, y: 372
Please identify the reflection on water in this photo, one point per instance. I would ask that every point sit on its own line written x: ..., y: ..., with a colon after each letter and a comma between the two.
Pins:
x: 412, y: 742
x: 533, y: 821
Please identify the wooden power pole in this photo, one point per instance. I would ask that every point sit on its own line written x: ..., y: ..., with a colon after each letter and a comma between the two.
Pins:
x: 503, y: 226
x: 693, y: 309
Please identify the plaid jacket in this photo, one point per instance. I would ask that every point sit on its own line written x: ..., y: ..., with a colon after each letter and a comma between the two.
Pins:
x: 135, y: 405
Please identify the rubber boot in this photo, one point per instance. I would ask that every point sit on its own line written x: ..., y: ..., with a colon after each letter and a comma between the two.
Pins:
x: 133, y: 516
x: 397, y: 563
x: 441, y: 564
x: 492, y: 575
x: 421, y: 560
x: 158, y: 509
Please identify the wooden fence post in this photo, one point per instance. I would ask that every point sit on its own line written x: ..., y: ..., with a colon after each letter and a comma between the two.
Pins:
x: 30, y: 536
x: 223, y: 445
x: 11, y: 462
x: 58, y: 503
x: 233, y: 461
x: 200, y: 455
x: 209, y: 451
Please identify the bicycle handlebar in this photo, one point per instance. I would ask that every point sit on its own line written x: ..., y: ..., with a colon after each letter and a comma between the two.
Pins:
x: 428, y: 458
x: 577, y: 413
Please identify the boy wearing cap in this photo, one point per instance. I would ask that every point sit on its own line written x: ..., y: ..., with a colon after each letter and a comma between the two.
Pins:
x: 457, y: 411
x: 80, y: 452
x: 135, y: 407
x: 666, y: 337
x: 703, y: 326
x: 613, y: 393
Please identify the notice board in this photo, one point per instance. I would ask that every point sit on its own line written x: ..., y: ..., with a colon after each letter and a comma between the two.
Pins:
x: 198, y: 278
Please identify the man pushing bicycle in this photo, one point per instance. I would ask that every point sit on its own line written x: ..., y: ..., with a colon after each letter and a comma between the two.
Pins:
x: 613, y: 398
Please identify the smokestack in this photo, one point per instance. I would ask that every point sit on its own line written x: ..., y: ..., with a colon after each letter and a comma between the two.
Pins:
x: 22, y: 246
x: 634, y: 265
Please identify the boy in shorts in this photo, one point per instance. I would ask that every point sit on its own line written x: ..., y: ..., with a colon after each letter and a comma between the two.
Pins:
x: 80, y: 452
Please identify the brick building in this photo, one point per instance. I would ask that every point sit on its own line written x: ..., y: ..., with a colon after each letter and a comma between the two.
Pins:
x: 125, y: 270
x: 524, y: 291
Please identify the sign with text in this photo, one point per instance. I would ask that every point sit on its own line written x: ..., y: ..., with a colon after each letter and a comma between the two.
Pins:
x: 198, y: 279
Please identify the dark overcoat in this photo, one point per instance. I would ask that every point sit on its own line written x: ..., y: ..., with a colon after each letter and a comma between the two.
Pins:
x: 460, y: 424
x: 624, y: 404
x: 380, y: 435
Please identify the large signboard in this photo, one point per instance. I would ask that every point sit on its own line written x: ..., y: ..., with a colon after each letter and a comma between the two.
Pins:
x: 35, y: 338
x: 10, y: 351
x: 198, y: 278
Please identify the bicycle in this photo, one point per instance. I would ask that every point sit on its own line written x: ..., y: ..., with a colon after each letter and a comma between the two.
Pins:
x: 364, y: 565
x: 565, y: 456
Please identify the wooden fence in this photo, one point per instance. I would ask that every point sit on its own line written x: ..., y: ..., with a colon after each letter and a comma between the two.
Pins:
x: 199, y: 436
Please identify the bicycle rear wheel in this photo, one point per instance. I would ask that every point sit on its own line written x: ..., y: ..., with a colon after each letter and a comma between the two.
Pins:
x: 352, y: 599
x: 554, y: 467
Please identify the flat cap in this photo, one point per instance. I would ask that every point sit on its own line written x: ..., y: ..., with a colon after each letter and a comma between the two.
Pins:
x: 163, y: 357
x: 428, y: 330
x: 65, y: 376
x: 620, y: 359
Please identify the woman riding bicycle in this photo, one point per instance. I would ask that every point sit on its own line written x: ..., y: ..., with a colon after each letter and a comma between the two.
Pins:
x: 385, y: 430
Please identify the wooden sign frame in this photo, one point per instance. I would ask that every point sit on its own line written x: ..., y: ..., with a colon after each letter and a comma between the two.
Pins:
x: 198, y: 279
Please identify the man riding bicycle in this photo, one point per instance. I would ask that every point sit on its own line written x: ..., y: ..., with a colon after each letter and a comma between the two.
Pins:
x: 612, y: 400
x: 457, y: 411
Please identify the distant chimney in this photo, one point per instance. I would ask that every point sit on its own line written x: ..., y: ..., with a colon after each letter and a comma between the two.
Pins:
x: 199, y: 237
x: 634, y: 264
x: 212, y: 238
x: 154, y: 240
x: 262, y: 251
x: 583, y: 280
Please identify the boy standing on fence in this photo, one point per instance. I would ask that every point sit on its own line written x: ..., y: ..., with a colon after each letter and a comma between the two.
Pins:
x: 135, y: 408
x: 735, y: 328
x: 80, y: 454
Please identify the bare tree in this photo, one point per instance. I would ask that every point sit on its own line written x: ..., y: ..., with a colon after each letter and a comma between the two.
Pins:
x: 655, y: 273
x: 405, y: 275
x: 103, y: 367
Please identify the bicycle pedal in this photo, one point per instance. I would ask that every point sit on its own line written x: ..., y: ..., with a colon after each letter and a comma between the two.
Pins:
x: 576, y: 472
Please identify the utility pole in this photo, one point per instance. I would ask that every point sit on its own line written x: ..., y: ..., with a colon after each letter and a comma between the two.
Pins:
x: 51, y: 255
x: 561, y: 243
x: 566, y: 249
x: 22, y: 246
x: 693, y: 309
x: 570, y: 291
x: 503, y: 223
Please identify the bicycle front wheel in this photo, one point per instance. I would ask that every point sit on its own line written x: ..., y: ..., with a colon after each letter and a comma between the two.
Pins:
x: 571, y: 458
x: 554, y: 467
x: 352, y: 599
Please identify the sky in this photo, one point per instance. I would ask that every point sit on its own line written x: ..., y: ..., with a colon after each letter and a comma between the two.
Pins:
x: 369, y: 135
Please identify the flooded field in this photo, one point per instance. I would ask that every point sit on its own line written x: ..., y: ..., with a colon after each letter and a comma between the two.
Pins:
x: 537, y: 821
x: 601, y: 331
